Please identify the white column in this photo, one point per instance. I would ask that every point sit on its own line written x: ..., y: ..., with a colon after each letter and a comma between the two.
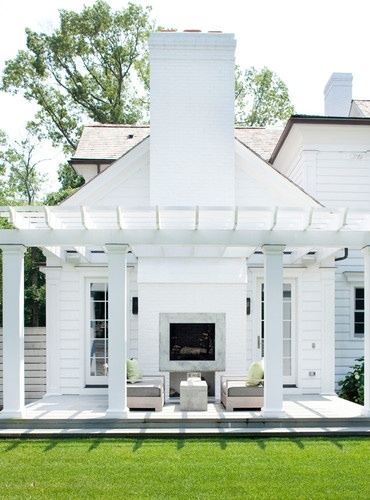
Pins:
x: 366, y: 410
x: 117, y: 324
x: 328, y: 329
x: 273, y: 331
x: 13, y: 331
x: 52, y: 276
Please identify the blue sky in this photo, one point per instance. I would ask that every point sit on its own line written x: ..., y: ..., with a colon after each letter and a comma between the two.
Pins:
x: 304, y: 42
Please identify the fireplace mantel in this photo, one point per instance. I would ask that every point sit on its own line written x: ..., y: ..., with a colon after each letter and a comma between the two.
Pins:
x: 166, y: 319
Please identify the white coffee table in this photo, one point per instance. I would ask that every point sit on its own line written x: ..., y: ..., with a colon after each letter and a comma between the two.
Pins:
x: 193, y: 395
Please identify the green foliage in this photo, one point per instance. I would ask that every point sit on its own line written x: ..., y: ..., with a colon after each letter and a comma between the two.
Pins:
x: 94, y: 67
x: 185, y: 468
x: 261, y: 98
x: 84, y: 70
x: 69, y: 181
x: 352, y: 387
x: 21, y: 179
x: 34, y: 288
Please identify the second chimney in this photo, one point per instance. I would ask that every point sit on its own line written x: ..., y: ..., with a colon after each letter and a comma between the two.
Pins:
x: 338, y: 94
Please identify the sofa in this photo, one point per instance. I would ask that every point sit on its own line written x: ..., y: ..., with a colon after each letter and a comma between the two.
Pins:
x: 235, y: 394
x: 147, y: 393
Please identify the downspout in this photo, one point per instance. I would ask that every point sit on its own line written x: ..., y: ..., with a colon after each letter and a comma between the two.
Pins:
x: 344, y: 257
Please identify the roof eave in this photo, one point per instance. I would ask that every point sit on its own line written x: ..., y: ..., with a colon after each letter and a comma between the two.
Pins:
x: 314, y: 120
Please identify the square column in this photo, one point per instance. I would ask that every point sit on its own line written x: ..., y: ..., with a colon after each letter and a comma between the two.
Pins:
x: 13, y: 331
x: 273, y: 331
x: 117, y: 336
x: 366, y: 410
x: 52, y: 275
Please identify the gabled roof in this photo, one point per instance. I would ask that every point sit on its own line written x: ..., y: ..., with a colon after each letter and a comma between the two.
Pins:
x: 315, y: 120
x: 109, y: 142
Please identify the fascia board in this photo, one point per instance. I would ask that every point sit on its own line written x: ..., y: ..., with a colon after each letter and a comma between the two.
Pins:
x: 291, y: 194
x: 118, y: 172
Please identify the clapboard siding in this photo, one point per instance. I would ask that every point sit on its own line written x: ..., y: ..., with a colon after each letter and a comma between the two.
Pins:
x: 71, y: 328
x: 347, y: 347
x: 35, y: 364
x: 343, y: 180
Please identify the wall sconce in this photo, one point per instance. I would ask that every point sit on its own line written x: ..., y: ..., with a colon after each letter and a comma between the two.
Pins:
x: 135, y: 305
x: 248, y: 306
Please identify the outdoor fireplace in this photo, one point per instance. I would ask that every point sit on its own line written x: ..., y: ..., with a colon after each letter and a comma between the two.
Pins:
x: 191, y: 342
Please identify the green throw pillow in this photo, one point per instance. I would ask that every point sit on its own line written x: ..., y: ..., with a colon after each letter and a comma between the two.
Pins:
x: 134, y: 373
x: 255, y: 374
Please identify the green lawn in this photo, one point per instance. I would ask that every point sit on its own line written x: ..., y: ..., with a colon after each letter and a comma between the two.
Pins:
x: 213, y: 468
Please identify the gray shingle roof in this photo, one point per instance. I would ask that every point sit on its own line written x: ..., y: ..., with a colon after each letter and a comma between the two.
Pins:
x: 260, y: 140
x: 110, y: 142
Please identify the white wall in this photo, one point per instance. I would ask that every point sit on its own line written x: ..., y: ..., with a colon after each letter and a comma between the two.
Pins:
x: 175, y: 294
x: 349, y: 274
x: 313, y: 299
x: 67, y: 328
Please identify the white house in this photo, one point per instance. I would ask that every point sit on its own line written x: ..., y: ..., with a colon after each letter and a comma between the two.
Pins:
x: 262, y: 235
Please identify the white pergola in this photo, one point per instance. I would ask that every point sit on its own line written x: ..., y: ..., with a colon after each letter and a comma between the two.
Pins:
x: 104, y: 235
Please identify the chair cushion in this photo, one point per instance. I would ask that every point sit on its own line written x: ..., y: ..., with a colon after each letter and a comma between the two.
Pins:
x: 145, y: 389
x: 239, y: 389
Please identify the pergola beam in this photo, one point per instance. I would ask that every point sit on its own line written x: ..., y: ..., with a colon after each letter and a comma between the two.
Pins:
x: 229, y: 238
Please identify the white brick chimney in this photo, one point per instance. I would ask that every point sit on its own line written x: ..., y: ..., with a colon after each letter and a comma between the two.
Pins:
x: 192, y: 118
x: 338, y: 94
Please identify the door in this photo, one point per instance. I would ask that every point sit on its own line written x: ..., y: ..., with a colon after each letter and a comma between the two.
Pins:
x: 97, y: 342
x: 289, y: 361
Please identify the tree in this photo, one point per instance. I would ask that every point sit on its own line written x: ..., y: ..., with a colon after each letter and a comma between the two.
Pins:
x: 261, y: 98
x: 69, y: 180
x: 92, y: 65
x: 21, y: 182
x: 84, y: 70
x: 18, y: 163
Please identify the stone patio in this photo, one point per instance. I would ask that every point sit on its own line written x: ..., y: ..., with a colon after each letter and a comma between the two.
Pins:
x: 86, y: 416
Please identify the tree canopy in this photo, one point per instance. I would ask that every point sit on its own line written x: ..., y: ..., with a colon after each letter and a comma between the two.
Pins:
x: 94, y: 67
x: 88, y: 68
x: 261, y: 98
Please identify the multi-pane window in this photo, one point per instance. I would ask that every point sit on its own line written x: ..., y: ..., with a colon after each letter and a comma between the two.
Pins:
x: 98, y: 349
x: 359, y: 312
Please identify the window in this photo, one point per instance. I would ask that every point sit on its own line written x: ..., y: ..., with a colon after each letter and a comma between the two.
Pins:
x: 359, y: 312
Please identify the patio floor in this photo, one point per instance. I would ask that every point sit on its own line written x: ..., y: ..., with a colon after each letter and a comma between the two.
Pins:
x: 86, y: 415
x: 74, y: 406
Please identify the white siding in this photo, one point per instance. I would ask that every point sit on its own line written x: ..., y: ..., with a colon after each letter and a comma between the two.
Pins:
x: 343, y: 179
x: 347, y: 347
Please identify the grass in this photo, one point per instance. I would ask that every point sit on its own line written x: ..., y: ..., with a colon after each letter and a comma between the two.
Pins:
x: 204, y: 468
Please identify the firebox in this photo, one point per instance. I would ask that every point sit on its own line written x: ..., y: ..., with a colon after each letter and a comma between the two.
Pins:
x: 192, y: 341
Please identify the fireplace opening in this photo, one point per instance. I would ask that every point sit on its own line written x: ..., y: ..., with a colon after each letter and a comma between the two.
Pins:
x: 192, y: 341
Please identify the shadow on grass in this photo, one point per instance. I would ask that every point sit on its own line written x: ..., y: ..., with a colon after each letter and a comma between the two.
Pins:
x: 13, y: 445
x: 52, y: 444
x: 95, y: 443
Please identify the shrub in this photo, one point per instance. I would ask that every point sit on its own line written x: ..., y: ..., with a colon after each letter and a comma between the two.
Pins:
x: 352, y: 387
